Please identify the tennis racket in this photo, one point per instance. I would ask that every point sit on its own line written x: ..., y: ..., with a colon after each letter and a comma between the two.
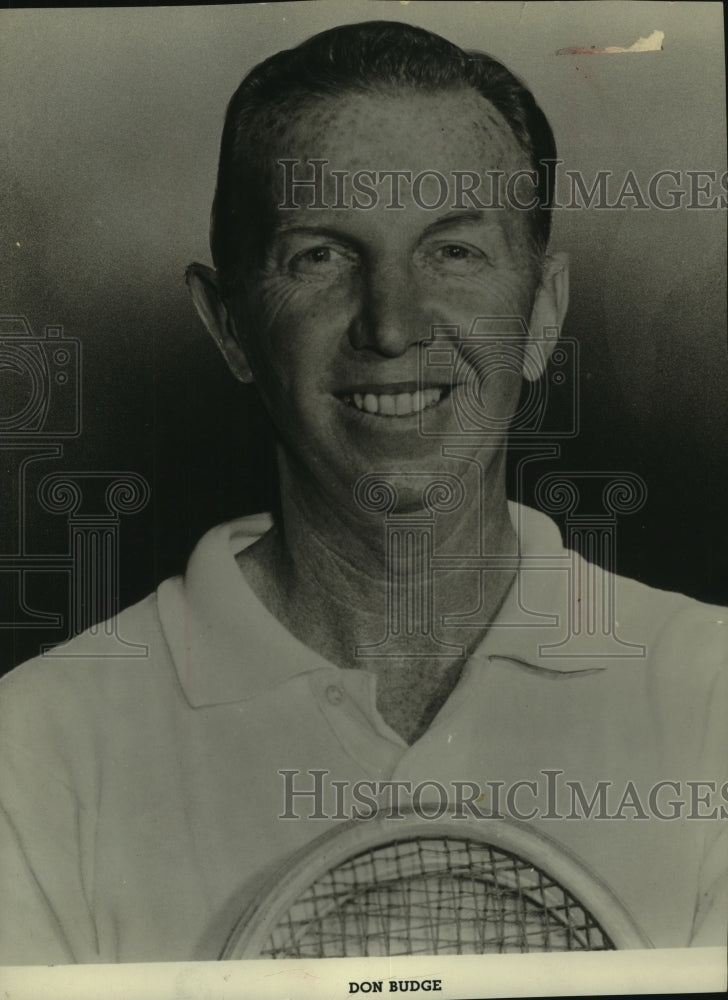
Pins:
x: 433, y: 887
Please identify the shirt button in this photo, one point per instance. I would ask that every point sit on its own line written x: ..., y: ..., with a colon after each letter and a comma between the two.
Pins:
x: 334, y: 694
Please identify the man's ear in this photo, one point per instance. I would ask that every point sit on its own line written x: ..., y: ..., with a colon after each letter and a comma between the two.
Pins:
x: 204, y: 288
x: 547, y: 315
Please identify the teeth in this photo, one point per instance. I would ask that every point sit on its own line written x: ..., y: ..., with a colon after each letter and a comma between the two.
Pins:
x: 401, y: 405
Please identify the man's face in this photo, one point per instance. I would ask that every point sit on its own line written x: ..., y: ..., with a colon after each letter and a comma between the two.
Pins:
x: 333, y: 323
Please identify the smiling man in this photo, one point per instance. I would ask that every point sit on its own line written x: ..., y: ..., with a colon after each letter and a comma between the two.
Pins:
x: 328, y: 314
x: 145, y: 803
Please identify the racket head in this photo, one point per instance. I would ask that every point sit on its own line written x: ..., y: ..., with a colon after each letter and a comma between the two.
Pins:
x: 412, y: 885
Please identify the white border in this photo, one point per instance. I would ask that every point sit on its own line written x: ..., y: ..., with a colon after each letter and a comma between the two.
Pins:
x: 464, y: 977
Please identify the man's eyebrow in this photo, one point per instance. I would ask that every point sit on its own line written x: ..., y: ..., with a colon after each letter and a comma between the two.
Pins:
x: 471, y: 215
x: 330, y: 232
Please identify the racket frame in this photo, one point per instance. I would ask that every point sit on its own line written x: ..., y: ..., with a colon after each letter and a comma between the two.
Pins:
x: 353, y: 837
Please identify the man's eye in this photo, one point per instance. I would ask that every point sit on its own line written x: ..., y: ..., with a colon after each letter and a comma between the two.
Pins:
x: 455, y: 252
x: 459, y: 259
x: 319, y: 261
x: 319, y: 255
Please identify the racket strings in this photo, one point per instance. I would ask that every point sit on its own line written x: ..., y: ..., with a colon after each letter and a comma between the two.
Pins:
x: 434, y: 896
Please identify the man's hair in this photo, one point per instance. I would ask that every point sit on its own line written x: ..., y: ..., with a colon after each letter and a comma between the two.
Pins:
x: 374, y: 56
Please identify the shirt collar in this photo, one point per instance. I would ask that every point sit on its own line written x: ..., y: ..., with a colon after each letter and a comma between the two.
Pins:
x: 226, y: 646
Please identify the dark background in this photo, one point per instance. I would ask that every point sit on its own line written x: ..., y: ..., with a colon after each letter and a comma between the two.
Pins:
x: 112, y: 121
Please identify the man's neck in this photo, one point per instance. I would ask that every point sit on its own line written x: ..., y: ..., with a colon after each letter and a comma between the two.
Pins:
x: 336, y: 580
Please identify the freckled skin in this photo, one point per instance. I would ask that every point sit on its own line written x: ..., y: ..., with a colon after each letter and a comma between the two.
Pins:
x: 345, y: 298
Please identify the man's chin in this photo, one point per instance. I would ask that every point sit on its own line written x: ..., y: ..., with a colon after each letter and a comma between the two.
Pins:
x: 399, y: 484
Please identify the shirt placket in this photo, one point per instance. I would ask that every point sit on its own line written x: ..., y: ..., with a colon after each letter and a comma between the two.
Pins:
x: 347, y: 700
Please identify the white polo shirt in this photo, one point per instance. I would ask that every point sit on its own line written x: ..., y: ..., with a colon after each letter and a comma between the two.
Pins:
x: 141, y: 794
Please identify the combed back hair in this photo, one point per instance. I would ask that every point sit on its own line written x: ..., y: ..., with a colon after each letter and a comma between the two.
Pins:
x: 374, y: 56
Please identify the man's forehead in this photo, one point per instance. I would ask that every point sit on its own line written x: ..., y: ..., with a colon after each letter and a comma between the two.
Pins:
x: 401, y: 129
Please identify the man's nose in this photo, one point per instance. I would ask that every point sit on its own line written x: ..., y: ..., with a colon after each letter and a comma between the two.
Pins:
x: 389, y: 319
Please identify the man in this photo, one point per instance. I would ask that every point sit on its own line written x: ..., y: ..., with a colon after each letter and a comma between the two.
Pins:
x: 303, y: 656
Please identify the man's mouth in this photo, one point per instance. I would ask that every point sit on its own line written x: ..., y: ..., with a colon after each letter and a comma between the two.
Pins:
x: 391, y: 404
